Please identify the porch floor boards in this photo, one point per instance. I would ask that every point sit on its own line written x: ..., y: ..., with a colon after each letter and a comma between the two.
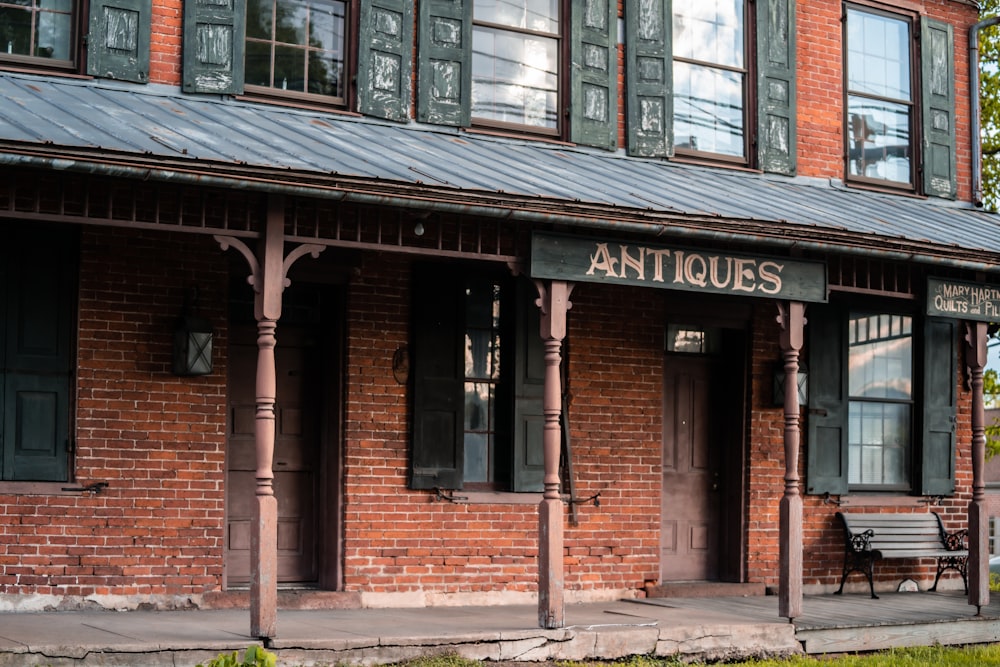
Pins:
x: 856, y: 622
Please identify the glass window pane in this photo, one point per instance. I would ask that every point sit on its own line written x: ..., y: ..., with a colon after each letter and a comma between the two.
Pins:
x: 54, y: 33
x: 514, y: 78
x: 258, y: 64
x: 259, y: 19
x: 878, y: 56
x: 709, y: 31
x: 708, y: 109
x: 880, y: 367
x: 537, y: 15
x: 878, y: 443
x: 307, y: 39
x: 42, y: 29
x: 477, y: 457
x: 289, y: 68
x: 878, y: 139
x: 15, y: 31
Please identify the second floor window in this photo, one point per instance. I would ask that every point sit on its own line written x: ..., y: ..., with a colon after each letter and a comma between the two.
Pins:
x: 296, y: 47
x: 37, y: 30
x: 880, y: 106
x: 710, y: 77
x: 515, y: 63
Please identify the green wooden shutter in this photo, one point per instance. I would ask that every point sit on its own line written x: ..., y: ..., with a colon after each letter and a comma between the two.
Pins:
x: 118, y: 42
x: 385, y: 61
x: 444, y: 95
x: 529, y: 385
x: 37, y: 356
x: 937, y: 62
x: 594, y: 73
x: 776, y: 135
x: 826, y: 461
x: 649, y: 77
x: 438, y: 393
x: 214, y: 46
x: 937, y: 444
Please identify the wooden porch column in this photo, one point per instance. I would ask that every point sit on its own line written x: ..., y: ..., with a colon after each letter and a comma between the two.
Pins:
x: 264, y: 533
x: 554, y: 302
x: 792, y: 320
x: 979, y: 537
x: 268, y: 279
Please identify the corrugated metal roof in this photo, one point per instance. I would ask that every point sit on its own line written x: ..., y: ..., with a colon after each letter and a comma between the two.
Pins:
x: 156, y: 121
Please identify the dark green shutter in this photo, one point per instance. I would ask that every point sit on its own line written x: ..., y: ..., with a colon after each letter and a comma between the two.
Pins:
x: 214, y: 46
x: 937, y: 453
x: 444, y: 95
x: 118, y: 42
x: 438, y: 375
x: 594, y: 73
x: 937, y: 62
x: 826, y: 445
x: 385, y: 60
x: 649, y: 77
x: 776, y: 135
x: 529, y: 385
x: 37, y: 355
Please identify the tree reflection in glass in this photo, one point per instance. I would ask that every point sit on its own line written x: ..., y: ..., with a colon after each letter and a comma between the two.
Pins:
x: 296, y: 45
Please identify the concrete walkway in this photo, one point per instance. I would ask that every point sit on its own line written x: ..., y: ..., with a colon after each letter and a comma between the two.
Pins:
x: 593, y: 631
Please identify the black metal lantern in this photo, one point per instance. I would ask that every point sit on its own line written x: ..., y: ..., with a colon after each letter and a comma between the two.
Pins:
x: 779, y: 384
x: 192, y: 346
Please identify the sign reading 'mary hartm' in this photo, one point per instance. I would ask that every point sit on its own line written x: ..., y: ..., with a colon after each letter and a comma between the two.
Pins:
x: 963, y: 300
x: 579, y: 259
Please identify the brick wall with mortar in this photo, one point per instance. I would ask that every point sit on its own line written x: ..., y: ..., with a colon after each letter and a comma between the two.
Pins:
x: 157, y: 440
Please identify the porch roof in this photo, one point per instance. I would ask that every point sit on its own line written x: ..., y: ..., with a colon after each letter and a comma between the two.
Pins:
x: 158, y: 132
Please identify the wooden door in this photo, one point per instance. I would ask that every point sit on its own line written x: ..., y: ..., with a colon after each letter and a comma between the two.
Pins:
x: 692, y: 472
x: 296, y: 455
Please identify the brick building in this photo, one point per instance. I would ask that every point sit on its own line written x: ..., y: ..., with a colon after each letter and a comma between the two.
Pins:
x: 379, y: 303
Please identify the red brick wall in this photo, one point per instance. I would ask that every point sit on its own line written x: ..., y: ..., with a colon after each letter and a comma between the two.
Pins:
x: 821, y: 85
x: 401, y: 541
x: 157, y: 440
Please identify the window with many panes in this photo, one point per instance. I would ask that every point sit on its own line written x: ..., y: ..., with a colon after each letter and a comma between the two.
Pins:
x: 296, y: 47
x: 37, y: 29
x: 516, y: 48
x: 880, y: 91
x: 478, y: 372
x: 882, y: 397
x: 880, y: 408
x: 711, y: 76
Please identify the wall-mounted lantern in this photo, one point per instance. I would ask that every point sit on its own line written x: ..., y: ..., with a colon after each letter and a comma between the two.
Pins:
x: 779, y: 384
x: 192, y: 344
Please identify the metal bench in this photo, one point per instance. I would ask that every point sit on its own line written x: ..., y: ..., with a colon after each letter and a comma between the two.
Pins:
x: 872, y: 537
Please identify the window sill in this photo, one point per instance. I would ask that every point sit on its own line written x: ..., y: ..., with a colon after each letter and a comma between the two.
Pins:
x: 39, y: 488
x: 881, y: 500
x: 497, y: 498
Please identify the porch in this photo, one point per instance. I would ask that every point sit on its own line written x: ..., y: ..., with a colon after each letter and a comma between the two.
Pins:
x: 696, y: 628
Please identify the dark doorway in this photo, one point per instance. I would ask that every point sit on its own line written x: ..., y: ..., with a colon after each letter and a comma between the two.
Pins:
x: 306, y: 452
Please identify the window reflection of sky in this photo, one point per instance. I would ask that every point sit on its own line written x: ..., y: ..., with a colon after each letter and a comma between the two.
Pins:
x: 709, y: 81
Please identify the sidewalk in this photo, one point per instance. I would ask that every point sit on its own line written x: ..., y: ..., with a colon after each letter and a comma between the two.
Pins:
x: 605, y: 630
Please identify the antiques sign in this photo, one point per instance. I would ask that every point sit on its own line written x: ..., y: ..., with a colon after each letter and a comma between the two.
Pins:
x: 581, y: 259
x: 966, y: 301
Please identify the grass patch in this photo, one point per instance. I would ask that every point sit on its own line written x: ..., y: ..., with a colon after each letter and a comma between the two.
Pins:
x: 924, y: 656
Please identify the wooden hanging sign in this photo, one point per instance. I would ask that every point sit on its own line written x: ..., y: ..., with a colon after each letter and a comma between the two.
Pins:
x: 582, y: 259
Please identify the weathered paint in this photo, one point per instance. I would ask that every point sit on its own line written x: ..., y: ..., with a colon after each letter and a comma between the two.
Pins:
x: 649, y: 104
x: 963, y: 300
x: 688, y: 269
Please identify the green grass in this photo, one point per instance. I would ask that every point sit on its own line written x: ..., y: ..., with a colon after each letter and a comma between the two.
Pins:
x: 936, y: 656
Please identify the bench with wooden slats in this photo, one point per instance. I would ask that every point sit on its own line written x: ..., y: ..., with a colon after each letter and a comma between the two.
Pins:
x: 872, y: 537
